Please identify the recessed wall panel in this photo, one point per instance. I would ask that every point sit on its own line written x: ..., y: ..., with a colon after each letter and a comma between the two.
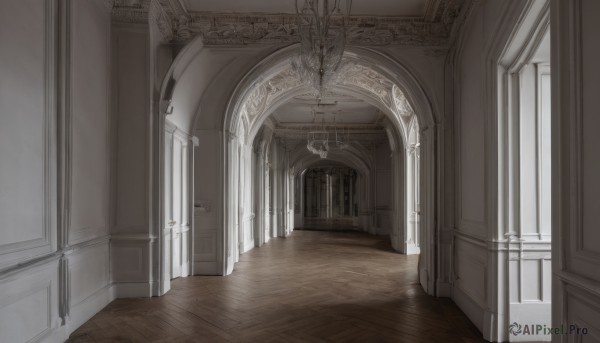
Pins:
x: 89, y: 120
x: 471, y: 127
x: 132, y: 117
x: 23, y: 119
x: 590, y: 125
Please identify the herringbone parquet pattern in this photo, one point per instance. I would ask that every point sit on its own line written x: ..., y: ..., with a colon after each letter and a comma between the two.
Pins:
x: 310, y: 287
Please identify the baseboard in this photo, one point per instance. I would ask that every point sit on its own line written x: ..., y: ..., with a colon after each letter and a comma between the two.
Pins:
x: 86, y: 309
x: 58, y: 335
x: 79, y: 314
x: 135, y: 289
x: 444, y: 289
x: 470, y: 307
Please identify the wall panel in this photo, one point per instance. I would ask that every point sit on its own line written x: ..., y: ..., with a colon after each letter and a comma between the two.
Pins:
x: 207, y: 195
x: 575, y: 54
x: 470, y: 126
x: 589, y: 126
x: 132, y: 121
x: 29, y: 303
x: 27, y: 129
x: 89, y: 271
x: 470, y: 284
x: 89, y: 115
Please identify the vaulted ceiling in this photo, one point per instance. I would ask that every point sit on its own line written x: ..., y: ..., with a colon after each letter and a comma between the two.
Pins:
x: 241, y: 23
x: 363, y: 122
x: 341, y: 110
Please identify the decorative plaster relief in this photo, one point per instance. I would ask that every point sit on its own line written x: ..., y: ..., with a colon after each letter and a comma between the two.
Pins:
x: 266, y: 92
x: 351, y: 74
x: 361, y: 76
x: 433, y: 29
x: 403, y: 107
x: 162, y: 20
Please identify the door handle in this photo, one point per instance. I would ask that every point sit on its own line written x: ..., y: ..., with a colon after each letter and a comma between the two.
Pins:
x: 172, y: 223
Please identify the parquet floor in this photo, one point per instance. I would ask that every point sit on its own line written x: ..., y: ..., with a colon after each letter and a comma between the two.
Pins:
x: 310, y: 287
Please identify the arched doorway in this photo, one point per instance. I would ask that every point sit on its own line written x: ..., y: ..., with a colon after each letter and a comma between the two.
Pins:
x: 365, y: 75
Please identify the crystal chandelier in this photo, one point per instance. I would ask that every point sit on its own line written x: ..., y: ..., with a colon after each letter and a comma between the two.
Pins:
x: 342, y: 138
x: 317, y: 141
x: 321, y: 28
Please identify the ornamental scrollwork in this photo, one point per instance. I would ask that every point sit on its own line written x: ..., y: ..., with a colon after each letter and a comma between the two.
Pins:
x: 433, y: 29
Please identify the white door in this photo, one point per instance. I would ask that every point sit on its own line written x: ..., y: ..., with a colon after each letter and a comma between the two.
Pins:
x: 176, y: 204
x: 176, y: 228
x: 167, y: 211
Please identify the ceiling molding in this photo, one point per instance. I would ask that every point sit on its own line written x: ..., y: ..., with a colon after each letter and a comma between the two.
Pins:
x: 162, y: 20
x: 434, y: 29
x: 131, y: 11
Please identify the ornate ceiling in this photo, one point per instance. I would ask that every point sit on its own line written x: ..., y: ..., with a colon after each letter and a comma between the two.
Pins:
x: 426, y: 23
x: 374, y: 22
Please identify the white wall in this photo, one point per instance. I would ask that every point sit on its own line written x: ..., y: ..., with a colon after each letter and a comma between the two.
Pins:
x: 501, y: 251
x: 471, y: 230
x: 576, y: 209
x: 28, y: 181
x: 54, y: 144
x: 207, y: 196
x: 88, y: 161
x: 132, y: 238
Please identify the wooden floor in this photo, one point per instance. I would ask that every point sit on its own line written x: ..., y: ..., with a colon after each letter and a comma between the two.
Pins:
x: 310, y: 287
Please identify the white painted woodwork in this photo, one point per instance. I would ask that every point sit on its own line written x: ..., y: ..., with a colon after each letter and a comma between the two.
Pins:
x: 55, y: 179
x: 576, y: 166
x: 502, y: 250
x: 485, y: 152
x: 28, y: 130
x: 207, y: 212
x: 29, y: 304
x: 176, y: 210
x: 133, y: 241
x: 86, y: 159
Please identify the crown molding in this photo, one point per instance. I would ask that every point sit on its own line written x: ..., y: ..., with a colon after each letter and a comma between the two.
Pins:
x: 130, y: 11
x: 159, y: 16
x: 178, y: 25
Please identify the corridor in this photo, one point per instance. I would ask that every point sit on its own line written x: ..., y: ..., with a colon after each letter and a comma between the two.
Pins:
x: 310, y: 287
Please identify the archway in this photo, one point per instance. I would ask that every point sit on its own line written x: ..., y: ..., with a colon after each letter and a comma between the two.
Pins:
x: 375, y: 79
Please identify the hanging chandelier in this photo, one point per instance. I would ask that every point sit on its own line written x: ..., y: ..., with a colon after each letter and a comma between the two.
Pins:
x: 342, y: 138
x: 322, y: 32
x: 317, y: 141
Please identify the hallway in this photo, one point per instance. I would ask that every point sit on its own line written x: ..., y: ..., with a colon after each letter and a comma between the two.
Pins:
x: 309, y: 287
